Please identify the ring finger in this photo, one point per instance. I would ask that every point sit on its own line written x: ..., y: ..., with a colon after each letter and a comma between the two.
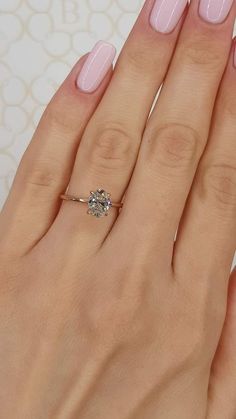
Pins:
x: 110, y: 145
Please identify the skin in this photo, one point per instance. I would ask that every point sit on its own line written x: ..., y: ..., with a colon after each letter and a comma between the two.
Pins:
x: 114, y: 318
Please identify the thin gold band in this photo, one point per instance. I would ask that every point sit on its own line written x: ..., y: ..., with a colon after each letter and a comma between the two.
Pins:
x: 85, y: 200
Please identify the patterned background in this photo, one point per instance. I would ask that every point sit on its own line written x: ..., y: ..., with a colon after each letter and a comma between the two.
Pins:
x: 40, y: 40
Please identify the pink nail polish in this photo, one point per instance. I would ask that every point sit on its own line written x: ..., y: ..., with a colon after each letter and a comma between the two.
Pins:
x: 96, y: 67
x: 215, y: 11
x: 166, y: 14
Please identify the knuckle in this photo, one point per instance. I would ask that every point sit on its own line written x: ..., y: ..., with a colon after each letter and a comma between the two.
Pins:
x: 112, y: 148
x: 201, y: 52
x: 134, y: 58
x: 219, y: 183
x: 57, y: 119
x: 173, y: 145
x: 42, y: 175
x: 137, y: 58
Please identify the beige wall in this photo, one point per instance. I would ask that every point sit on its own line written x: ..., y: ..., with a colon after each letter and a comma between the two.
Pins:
x: 40, y: 40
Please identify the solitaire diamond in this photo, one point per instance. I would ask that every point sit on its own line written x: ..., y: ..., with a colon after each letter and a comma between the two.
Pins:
x: 99, y: 203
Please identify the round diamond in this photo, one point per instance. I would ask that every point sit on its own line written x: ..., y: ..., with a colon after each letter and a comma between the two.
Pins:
x: 99, y: 203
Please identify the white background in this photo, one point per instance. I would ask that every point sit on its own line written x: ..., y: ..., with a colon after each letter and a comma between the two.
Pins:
x: 40, y: 40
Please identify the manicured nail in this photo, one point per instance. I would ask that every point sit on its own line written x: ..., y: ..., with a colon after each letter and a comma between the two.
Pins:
x: 215, y: 11
x: 96, y: 67
x: 166, y: 14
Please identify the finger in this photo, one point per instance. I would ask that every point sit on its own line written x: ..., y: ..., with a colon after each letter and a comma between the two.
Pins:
x: 46, y: 165
x: 109, y: 148
x: 208, y: 227
x: 222, y: 394
x: 177, y: 132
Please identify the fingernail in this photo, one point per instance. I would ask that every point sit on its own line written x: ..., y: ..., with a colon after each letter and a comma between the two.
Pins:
x: 166, y: 14
x: 215, y: 11
x: 96, y: 67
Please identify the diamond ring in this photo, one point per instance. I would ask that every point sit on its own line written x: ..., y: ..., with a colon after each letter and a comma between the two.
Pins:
x: 99, y: 202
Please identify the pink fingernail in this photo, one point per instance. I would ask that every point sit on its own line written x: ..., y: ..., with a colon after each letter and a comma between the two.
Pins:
x: 96, y: 67
x: 166, y: 14
x: 215, y: 11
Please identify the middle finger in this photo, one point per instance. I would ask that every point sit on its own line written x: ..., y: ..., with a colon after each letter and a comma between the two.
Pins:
x: 178, y: 130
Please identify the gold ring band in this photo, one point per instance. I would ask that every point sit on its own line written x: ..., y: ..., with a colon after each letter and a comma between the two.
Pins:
x: 85, y: 200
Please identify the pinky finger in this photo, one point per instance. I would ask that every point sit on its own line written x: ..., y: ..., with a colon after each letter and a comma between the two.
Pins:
x: 222, y: 392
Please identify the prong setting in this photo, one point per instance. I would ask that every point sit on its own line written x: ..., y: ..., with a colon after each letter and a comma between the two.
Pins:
x: 99, y: 203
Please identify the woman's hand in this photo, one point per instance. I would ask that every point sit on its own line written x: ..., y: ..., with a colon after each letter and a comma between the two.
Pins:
x: 111, y: 317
